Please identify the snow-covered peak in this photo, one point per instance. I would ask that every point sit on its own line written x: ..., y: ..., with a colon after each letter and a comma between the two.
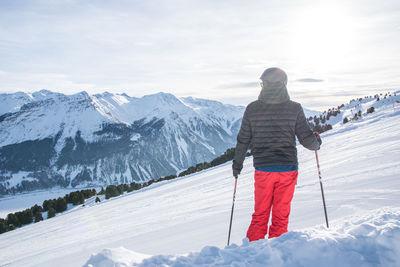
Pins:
x: 13, y: 102
x: 44, y: 113
x: 164, y: 106
x: 215, y: 111
x: 42, y: 94
x: 161, y: 96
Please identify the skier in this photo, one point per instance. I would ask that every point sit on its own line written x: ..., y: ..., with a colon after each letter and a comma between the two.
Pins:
x: 270, y: 125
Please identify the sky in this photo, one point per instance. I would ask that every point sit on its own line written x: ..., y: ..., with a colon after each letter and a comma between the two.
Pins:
x: 332, y: 51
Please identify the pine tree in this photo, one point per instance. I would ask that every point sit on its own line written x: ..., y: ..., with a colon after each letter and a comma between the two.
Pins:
x: 38, y: 217
x: 47, y: 204
x: 51, y: 213
x: 26, y: 216
x: 97, y: 199
x: 126, y: 188
x: 13, y: 219
x: 102, y: 192
x: 370, y: 110
x: 112, y: 191
x: 36, y: 209
x: 81, y: 198
x: 120, y: 189
x: 61, y: 205
x: 135, y: 186
x: 345, y: 120
x: 3, y: 226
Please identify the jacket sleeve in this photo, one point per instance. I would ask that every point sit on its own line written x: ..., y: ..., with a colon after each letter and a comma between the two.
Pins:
x: 304, y: 133
x: 243, y: 142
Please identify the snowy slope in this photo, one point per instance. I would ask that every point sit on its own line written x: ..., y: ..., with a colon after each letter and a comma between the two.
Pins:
x: 19, y: 202
x: 389, y: 101
x: 372, y: 240
x: 360, y: 171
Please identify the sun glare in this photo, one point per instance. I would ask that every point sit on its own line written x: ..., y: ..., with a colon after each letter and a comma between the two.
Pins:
x: 321, y: 37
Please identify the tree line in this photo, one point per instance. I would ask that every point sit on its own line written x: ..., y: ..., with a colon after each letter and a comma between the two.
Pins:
x: 227, y: 156
x: 51, y: 206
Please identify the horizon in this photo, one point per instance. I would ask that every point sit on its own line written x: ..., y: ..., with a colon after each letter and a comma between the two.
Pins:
x: 213, y: 50
x: 161, y: 92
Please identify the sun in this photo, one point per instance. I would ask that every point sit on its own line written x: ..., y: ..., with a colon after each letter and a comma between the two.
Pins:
x: 322, y: 37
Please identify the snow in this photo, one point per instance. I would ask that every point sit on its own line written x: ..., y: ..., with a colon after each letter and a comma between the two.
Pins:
x: 183, y: 147
x: 184, y: 222
x: 115, y: 257
x: 371, y: 240
x: 51, y: 114
x: 17, y: 178
x: 13, y: 102
x: 160, y: 105
x: 14, y: 203
x: 135, y: 137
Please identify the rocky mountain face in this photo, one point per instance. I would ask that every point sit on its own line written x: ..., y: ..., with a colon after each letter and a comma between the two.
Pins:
x: 50, y: 139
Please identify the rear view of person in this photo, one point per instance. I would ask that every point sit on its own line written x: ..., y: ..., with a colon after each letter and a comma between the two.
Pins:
x: 270, y: 126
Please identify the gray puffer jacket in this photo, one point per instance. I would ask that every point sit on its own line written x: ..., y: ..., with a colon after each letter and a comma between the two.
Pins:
x: 271, y: 125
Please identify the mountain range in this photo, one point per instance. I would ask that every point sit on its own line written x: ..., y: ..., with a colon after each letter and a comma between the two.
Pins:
x: 51, y: 139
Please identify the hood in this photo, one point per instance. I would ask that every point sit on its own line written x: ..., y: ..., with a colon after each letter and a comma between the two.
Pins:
x: 274, y: 93
x: 274, y: 86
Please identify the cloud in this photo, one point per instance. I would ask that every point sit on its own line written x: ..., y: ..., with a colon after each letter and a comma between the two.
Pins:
x: 30, y: 82
x: 207, y: 49
x: 309, y: 80
x: 239, y: 85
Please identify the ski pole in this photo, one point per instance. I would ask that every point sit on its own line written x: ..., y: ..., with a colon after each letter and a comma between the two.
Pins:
x: 322, y: 190
x: 233, y: 204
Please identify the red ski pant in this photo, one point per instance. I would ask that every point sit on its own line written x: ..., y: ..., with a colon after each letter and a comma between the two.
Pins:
x: 272, y: 190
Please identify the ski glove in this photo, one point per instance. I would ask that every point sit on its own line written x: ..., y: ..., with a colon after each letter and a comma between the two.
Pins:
x: 236, y: 169
x: 318, y: 138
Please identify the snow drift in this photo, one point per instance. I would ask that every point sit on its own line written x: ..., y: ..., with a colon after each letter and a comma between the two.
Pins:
x: 371, y: 240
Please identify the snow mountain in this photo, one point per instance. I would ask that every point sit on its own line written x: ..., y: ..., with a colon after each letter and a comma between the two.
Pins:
x: 50, y: 139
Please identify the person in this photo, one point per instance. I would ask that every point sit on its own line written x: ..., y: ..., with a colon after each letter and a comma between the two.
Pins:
x: 270, y: 126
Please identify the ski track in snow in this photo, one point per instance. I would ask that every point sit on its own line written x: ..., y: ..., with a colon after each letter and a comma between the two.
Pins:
x: 360, y: 173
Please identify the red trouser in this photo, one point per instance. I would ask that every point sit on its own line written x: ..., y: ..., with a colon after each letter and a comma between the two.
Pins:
x: 271, y: 190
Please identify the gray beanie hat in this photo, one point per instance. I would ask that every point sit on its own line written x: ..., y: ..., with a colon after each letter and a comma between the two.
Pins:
x: 274, y: 75
x: 274, y: 89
